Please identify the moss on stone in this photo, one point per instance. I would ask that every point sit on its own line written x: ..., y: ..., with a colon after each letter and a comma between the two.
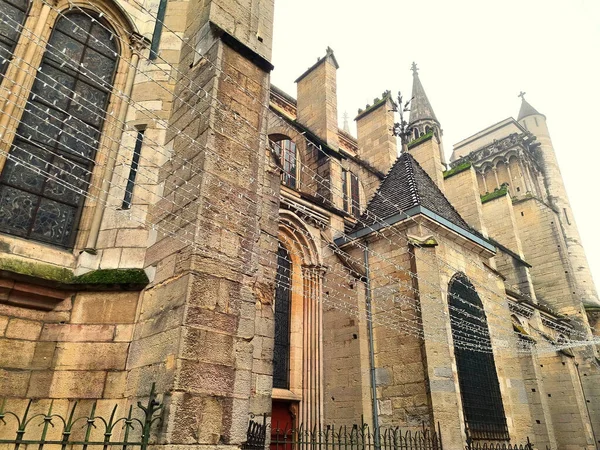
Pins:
x: 113, y: 276
x: 494, y: 195
x: 37, y: 270
x: 420, y: 140
x: 457, y: 169
x: 66, y: 278
x: 377, y: 103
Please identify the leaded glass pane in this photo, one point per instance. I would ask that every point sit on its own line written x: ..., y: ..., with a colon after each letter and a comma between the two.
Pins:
x: 478, y: 380
x: 53, y: 86
x: 85, y: 104
x: 30, y: 157
x: 12, y: 17
x: 53, y: 222
x: 44, y: 183
x: 16, y: 210
x: 283, y: 303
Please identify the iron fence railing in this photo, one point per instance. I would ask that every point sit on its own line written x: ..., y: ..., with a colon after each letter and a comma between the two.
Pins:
x: 498, y: 446
x: 27, y: 424
x: 356, y: 437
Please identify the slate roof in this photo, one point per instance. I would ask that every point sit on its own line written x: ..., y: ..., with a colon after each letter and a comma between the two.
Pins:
x: 527, y: 110
x: 406, y: 186
x: 420, y: 108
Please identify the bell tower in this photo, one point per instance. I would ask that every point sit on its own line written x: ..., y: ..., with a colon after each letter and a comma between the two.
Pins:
x: 535, y: 122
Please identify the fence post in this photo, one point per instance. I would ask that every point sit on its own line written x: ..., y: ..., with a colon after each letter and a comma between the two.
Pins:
x: 151, y: 407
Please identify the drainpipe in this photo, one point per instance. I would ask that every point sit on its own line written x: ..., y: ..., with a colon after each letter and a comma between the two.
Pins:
x: 371, y: 346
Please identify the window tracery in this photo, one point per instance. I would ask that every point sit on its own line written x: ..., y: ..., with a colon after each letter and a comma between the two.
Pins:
x: 46, y: 178
x: 477, y: 376
x: 12, y: 17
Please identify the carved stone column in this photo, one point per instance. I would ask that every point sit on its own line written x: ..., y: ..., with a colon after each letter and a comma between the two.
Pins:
x: 312, y: 386
x: 482, y: 172
x: 496, y: 177
x: 524, y: 173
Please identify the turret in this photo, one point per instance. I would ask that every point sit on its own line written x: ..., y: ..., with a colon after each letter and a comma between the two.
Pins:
x: 535, y: 122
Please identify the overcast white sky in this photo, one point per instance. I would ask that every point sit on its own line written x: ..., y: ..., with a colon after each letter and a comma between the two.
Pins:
x: 474, y: 58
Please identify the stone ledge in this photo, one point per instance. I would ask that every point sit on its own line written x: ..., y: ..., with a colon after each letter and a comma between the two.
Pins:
x: 52, y: 284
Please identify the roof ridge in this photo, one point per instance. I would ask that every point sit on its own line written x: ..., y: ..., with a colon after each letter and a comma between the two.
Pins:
x: 411, y: 179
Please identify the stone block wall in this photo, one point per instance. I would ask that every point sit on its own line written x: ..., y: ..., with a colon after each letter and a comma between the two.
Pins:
x: 77, y: 350
x: 545, y: 250
x: 462, y: 191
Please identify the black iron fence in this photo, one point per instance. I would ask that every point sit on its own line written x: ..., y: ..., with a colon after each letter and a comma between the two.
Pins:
x: 26, y: 424
x: 357, y: 437
x: 498, y: 446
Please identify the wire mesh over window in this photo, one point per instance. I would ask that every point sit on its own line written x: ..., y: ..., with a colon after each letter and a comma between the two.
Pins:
x: 12, y: 18
x: 283, y: 303
x: 286, y: 150
x: 46, y: 177
x: 478, y: 380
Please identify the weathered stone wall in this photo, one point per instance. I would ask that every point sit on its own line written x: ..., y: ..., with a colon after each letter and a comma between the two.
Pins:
x: 462, y: 191
x: 567, y: 405
x: 582, y: 281
x: 77, y: 350
x: 545, y: 250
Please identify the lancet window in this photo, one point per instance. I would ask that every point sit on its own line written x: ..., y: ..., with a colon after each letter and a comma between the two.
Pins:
x: 478, y: 380
x: 283, y: 303
x: 46, y: 177
x: 12, y: 18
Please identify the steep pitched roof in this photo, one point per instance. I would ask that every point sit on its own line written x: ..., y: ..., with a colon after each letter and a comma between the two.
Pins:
x: 407, y: 186
x: 420, y: 108
x: 527, y: 109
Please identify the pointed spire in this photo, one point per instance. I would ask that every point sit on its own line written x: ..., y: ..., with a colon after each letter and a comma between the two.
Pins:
x: 420, y: 108
x: 346, y: 124
x: 526, y: 108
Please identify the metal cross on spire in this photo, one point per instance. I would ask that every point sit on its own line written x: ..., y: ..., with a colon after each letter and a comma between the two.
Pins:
x: 522, y: 95
x: 414, y: 68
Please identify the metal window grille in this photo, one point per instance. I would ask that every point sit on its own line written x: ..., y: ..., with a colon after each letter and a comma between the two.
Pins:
x: 283, y: 297
x: 477, y: 376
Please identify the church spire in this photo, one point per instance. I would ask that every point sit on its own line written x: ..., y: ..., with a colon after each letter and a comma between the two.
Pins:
x: 422, y: 120
x: 420, y: 108
x: 526, y: 108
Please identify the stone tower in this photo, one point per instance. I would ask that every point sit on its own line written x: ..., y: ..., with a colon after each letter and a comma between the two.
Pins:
x: 583, y: 283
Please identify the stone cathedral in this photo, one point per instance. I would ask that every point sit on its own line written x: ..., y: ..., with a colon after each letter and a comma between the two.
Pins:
x: 172, y: 223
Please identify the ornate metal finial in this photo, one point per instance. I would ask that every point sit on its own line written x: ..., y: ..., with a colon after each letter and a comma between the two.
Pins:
x: 522, y: 95
x: 401, y: 128
x: 414, y: 68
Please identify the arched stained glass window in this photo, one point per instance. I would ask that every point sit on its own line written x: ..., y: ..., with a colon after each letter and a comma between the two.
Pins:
x: 46, y: 177
x: 283, y: 303
x: 478, y: 380
x: 12, y: 18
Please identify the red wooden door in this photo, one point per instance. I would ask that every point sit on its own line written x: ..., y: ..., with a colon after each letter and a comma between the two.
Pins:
x: 282, y: 425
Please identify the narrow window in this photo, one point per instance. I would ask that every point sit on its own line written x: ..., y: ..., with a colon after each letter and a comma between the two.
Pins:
x: 345, y: 190
x: 477, y: 377
x: 12, y: 17
x: 355, y: 195
x: 283, y: 303
x: 46, y: 177
x: 536, y: 122
x: 566, y: 216
x: 133, y: 170
x: 286, y: 150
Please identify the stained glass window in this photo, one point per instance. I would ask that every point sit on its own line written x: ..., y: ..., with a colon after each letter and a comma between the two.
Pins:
x: 283, y: 303
x: 46, y: 176
x: 12, y: 18
x: 478, y: 380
